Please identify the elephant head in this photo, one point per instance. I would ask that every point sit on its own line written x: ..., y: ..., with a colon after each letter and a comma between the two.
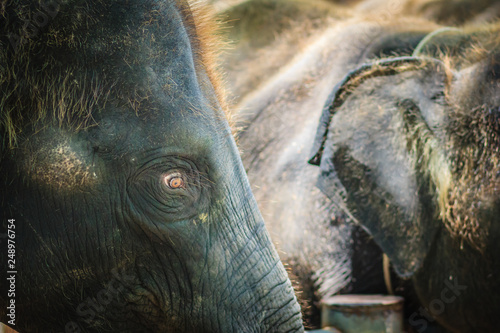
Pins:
x: 128, y: 203
x: 409, y: 147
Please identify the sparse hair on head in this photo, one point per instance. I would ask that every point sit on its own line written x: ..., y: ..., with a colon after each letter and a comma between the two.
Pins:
x: 37, y: 89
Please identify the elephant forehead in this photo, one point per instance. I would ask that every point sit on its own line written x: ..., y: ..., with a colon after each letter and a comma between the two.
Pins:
x: 89, y: 55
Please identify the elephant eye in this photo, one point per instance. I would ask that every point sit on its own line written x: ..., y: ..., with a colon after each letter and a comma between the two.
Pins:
x: 174, y: 180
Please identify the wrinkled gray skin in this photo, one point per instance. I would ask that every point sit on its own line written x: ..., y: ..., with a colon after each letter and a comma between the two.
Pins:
x: 370, y: 179
x: 104, y: 241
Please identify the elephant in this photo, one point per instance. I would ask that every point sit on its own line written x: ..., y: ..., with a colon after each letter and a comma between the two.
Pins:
x: 125, y: 205
x: 411, y: 151
x: 400, y: 168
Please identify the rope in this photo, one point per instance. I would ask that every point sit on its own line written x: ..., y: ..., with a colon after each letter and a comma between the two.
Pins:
x: 387, y: 274
x: 423, y: 42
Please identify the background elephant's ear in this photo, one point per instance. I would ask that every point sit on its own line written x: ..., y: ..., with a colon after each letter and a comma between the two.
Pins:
x: 382, y: 158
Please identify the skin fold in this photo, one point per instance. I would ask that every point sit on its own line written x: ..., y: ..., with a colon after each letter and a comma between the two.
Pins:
x: 408, y: 162
x: 132, y: 209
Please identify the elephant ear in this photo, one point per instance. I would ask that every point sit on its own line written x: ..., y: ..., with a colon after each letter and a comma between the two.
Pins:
x: 379, y: 147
